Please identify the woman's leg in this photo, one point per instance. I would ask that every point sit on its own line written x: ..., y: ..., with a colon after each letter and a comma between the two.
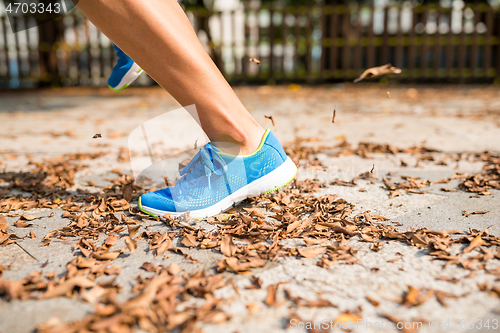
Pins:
x: 158, y: 36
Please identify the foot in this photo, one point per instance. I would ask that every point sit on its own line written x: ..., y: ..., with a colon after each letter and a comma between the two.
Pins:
x: 214, y: 181
x: 124, y: 73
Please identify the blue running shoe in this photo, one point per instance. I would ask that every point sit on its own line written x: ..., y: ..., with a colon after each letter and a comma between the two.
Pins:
x: 214, y: 181
x: 124, y: 73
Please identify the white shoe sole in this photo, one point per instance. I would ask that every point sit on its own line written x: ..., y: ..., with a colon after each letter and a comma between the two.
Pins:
x: 133, y: 73
x: 274, y: 180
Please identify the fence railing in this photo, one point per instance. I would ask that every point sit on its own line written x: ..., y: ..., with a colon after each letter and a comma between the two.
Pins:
x: 294, y: 44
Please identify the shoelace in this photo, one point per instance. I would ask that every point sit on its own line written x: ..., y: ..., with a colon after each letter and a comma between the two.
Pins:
x: 194, y: 169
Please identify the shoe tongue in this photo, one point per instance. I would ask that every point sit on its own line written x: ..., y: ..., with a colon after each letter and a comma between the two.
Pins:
x: 211, y: 145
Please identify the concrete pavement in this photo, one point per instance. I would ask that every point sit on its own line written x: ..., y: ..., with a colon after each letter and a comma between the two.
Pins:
x: 452, y: 119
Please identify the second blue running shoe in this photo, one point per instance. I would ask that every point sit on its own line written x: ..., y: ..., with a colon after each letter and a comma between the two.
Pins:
x: 124, y: 73
x: 214, y: 181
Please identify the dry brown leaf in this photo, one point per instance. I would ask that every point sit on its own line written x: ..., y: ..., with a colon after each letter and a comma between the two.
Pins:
x: 377, y: 71
x: 271, y: 295
x: 478, y: 241
x: 272, y: 121
x: 394, y: 194
x: 257, y: 213
x: 314, y: 241
x: 373, y: 301
x: 189, y: 240
x: 333, y: 116
x: 127, y: 191
x: 98, y: 135
x: 215, y: 317
x: 411, y: 297
x: 163, y: 246
x: 11, y: 289
x: 29, y: 217
x: 227, y: 246
x: 132, y: 230
x: 93, y: 295
x: 22, y: 224
x: 177, y: 319
x: 105, y: 255
x: 253, y: 307
x: 311, y: 252
x: 257, y: 61
x: 3, y: 223
x: 131, y: 244
x: 346, y: 317
x: 393, y: 260
x: 256, y: 283
x: 381, y: 218
x: 174, y: 269
x: 110, y: 241
x: 149, y: 267
x: 376, y: 246
x: 317, y: 303
x: 68, y: 286
x: 291, y: 227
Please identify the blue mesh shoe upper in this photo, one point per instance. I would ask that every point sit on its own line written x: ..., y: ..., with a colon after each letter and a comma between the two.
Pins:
x: 121, y: 68
x: 212, y: 176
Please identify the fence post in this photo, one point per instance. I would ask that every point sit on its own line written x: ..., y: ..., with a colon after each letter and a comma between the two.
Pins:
x: 271, y: 43
x: 346, y: 34
x: 498, y: 45
x: 475, y: 41
x: 309, y: 29
x: 462, y: 52
x: 424, y: 56
x: 400, y: 44
x: 437, y: 44
x: 449, y: 49
x: 487, y: 42
x: 48, y: 34
x: 246, y: 34
x: 385, y: 38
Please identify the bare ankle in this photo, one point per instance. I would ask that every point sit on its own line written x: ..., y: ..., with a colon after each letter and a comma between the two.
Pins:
x: 241, y: 142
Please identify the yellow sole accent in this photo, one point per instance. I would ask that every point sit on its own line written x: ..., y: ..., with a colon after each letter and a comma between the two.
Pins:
x: 278, y: 187
x: 142, y: 210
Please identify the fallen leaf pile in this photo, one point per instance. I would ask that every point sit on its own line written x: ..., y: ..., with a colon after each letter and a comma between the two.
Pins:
x: 156, y: 306
x: 489, y: 179
x: 49, y: 178
x: 77, y: 282
x: 301, y: 149
x: 410, y: 185
x: 247, y: 238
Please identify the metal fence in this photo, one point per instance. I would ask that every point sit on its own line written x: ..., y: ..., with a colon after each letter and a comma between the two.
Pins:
x: 311, y: 44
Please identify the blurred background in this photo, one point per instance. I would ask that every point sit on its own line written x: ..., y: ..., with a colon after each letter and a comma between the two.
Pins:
x: 302, y: 41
